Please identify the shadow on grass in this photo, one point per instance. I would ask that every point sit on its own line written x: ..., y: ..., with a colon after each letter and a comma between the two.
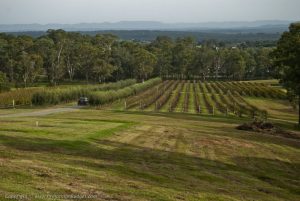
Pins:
x: 209, y: 118
x: 171, y: 169
x: 187, y: 116
x: 260, y: 137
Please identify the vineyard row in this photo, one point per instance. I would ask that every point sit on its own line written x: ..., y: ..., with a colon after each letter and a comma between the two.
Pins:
x: 201, y: 98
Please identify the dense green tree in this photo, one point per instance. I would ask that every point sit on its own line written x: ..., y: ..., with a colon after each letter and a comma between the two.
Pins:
x: 104, y: 42
x: 3, y: 53
x: 87, y: 56
x: 15, y: 47
x: 124, y: 58
x: 144, y: 62
x: 4, y: 85
x: 103, y: 70
x: 59, y: 38
x: 203, y: 61
x: 234, y: 65
x: 162, y: 48
x: 287, y: 60
x: 250, y: 63
x: 75, y: 56
x: 104, y: 64
x: 70, y: 56
x: 183, y: 55
x: 44, y: 46
x: 263, y: 62
x: 29, y: 66
x: 120, y: 58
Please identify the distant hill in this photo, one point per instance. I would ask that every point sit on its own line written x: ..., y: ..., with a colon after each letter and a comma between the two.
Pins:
x: 230, y: 32
x: 273, y: 26
x: 268, y: 39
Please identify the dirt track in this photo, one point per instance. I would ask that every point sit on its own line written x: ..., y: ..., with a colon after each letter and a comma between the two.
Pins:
x: 42, y: 112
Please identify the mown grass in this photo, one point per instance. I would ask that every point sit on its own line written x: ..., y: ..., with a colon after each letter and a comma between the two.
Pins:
x: 278, y: 109
x: 145, y: 156
x: 14, y: 111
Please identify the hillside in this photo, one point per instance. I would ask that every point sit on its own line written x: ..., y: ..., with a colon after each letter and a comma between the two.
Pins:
x: 148, y: 31
x: 140, y: 151
x: 137, y: 156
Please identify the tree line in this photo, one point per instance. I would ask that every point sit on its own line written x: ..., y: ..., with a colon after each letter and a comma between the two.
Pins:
x: 286, y: 62
x: 61, y: 56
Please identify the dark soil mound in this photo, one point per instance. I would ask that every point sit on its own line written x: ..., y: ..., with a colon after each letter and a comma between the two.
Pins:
x: 267, y: 127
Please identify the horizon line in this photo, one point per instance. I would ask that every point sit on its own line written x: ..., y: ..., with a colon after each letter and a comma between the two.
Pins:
x: 162, y: 22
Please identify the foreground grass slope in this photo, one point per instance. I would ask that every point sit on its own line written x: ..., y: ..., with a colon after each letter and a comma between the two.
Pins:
x: 137, y: 156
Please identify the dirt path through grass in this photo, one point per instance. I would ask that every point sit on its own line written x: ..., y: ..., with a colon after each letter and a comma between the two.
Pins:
x: 42, y: 112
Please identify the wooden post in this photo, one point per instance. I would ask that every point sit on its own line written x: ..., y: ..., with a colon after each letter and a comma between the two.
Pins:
x: 199, y: 109
x: 13, y: 102
x: 213, y: 110
x: 125, y: 105
x: 37, y: 124
x: 141, y: 105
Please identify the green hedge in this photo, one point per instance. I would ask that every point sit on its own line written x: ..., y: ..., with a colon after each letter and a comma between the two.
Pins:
x: 103, y: 97
x: 63, y: 95
x: 115, y: 86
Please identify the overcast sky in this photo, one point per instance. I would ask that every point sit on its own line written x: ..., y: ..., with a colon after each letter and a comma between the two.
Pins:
x: 77, y: 11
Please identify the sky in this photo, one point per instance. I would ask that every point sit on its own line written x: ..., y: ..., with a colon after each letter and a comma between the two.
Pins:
x: 169, y: 11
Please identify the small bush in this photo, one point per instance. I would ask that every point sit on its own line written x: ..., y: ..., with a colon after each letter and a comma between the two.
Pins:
x: 20, y: 96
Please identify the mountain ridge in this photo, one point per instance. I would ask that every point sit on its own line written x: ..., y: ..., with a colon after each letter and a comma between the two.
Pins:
x: 277, y: 25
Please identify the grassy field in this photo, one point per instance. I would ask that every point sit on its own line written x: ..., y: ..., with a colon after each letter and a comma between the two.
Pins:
x: 144, y: 156
x: 134, y: 154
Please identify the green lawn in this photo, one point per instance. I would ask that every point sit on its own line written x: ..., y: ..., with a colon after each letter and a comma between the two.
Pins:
x: 145, y: 156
